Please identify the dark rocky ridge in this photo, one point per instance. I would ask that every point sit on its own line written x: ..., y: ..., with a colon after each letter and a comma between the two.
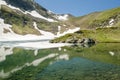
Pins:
x: 29, y: 5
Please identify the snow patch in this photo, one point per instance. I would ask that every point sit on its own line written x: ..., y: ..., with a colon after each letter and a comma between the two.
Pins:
x: 44, y: 33
x: 68, y: 31
x: 32, y: 13
x: 36, y: 52
x: 38, y: 61
x: 63, y: 57
x: 37, y: 15
x: 4, y: 26
x: 64, y: 17
x: 50, y: 12
x: 40, y: 45
x: 14, y: 8
x: 59, y: 48
x: 59, y: 29
x: 2, y: 2
x: 11, y: 36
x: 4, y: 52
x: 4, y: 74
x: 111, y: 53
x: 111, y: 22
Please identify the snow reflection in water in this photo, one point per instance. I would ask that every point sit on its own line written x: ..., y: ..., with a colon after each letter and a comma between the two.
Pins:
x: 6, y: 48
x: 34, y: 63
x: 52, y: 61
x: 4, y: 51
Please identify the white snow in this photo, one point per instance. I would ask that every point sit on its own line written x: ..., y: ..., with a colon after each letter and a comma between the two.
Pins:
x: 50, y: 12
x: 59, y: 29
x: 11, y: 36
x: 111, y: 22
x: 4, y: 52
x: 44, y: 33
x: 64, y: 17
x: 10, y: 6
x: 65, y: 50
x: 63, y: 57
x: 2, y: 2
x: 111, y: 53
x: 59, y: 48
x: 37, y: 15
x: 36, y: 62
x: 36, y: 52
x: 40, y: 45
x: 32, y: 13
x: 3, y: 26
x: 68, y: 31
x: 4, y: 74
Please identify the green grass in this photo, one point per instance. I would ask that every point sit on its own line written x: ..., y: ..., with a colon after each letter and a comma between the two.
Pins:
x: 96, y: 19
x: 24, y: 30
x: 99, y: 35
x: 87, y: 22
x: 21, y: 24
x: 94, y: 26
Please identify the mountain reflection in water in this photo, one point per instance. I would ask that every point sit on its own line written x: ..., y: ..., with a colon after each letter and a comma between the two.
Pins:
x: 97, y: 62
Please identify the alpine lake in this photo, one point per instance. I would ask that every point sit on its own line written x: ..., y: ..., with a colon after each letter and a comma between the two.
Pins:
x: 76, y: 62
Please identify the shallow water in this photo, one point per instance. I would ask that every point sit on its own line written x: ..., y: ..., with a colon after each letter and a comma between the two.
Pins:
x: 97, y: 62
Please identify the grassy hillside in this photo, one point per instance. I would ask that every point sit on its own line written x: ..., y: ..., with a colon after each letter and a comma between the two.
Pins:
x: 97, y: 19
x: 20, y: 22
x: 99, y: 35
x: 23, y: 23
x: 95, y: 26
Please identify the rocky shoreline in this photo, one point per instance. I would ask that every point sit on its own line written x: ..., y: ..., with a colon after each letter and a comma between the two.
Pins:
x: 77, y: 41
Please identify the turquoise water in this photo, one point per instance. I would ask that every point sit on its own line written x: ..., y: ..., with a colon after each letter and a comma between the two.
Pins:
x: 97, y: 62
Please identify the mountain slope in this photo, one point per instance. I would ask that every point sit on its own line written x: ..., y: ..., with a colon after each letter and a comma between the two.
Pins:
x: 98, y: 19
x: 100, y: 26
x: 22, y: 14
x: 26, y: 19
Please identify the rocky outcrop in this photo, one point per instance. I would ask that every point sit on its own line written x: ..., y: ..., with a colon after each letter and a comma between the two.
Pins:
x: 84, y: 40
x: 87, y: 41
